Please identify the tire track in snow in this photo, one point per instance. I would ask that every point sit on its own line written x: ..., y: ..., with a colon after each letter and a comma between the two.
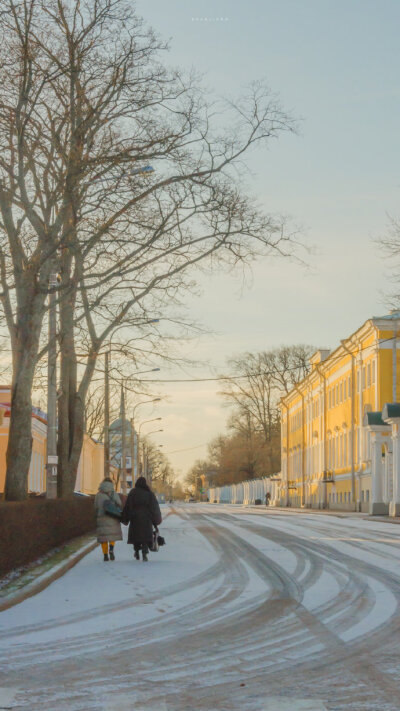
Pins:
x: 267, y: 638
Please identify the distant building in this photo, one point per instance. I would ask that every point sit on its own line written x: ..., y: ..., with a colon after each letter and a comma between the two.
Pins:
x: 91, y: 464
x: 115, y: 433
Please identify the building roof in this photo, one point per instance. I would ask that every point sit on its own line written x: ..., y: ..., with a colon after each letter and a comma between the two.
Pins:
x: 116, y: 426
x: 391, y: 411
x: 322, y: 359
x: 393, y: 316
x: 374, y: 419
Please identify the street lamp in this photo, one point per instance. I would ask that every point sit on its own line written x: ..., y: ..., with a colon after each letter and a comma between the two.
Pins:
x: 107, y: 407
x: 123, y: 460
x: 134, y: 459
x: 51, y: 441
x: 145, y: 456
x: 154, y: 419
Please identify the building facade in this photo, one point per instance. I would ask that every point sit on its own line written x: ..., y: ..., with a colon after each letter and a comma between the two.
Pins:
x: 91, y: 464
x: 337, y: 438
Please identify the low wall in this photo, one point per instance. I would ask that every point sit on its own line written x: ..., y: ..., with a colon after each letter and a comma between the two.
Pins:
x: 29, y: 529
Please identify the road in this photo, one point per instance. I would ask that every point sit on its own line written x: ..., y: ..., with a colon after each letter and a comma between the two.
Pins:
x: 244, y: 609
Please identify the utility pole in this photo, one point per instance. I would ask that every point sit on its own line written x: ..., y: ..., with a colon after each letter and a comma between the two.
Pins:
x: 51, y: 454
x: 106, y: 414
x: 133, y: 457
x: 123, y: 457
x: 144, y: 461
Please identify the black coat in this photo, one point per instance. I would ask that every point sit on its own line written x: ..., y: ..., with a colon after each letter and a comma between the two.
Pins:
x: 142, y: 512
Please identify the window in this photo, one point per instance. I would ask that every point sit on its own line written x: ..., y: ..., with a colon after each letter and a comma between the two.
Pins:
x: 367, y: 495
x: 363, y: 377
x: 369, y: 375
x: 358, y: 381
x: 341, y: 497
x: 337, y: 394
x: 341, y: 392
x: 373, y: 372
x: 348, y: 386
x: 329, y: 398
x: 362, y: 496
x: 345, y: 389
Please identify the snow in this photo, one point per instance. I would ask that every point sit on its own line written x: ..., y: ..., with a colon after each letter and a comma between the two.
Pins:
x: 7, y: 697
x: 238, y: 611
x: 109, y: 592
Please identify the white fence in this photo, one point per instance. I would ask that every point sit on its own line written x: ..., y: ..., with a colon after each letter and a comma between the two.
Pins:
x: 247, y: 492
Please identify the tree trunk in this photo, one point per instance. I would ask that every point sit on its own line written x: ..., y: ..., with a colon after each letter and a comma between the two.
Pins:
x: 71, y: 430
x: 71, y: 402
x: 19, y: 451
x: 70, y: 443
x: 68, y: 379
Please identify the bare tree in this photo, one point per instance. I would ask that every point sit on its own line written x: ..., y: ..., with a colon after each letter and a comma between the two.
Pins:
x: 253, y: 390
x: 117, y: 174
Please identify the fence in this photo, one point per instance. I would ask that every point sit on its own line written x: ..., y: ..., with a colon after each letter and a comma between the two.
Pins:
x: 248, y: 492
x: 29, y: 529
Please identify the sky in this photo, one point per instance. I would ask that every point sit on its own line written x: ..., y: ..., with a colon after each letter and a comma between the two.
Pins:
x: 334, y: 64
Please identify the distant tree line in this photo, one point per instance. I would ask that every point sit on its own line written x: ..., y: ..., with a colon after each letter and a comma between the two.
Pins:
x: 252, y: 446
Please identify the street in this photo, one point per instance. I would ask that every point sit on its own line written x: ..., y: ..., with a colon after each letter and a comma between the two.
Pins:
x: 243, y: 609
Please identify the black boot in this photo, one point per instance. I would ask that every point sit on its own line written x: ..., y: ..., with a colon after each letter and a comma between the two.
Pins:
x: 136, y: 554
x: 106, y: 557
x: 112, y: 556
x: 145, y: 551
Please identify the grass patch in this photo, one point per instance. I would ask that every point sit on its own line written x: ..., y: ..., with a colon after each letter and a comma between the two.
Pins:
x: 21, y: 577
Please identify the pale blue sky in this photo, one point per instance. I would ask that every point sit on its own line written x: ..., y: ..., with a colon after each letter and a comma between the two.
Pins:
x: 335, y: 65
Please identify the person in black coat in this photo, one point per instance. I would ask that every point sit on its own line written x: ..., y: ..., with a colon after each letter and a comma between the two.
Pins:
x: 142, y: 512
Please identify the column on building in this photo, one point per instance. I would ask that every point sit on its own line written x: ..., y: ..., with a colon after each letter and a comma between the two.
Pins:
x: 391, y: 415
x: 379, y: 431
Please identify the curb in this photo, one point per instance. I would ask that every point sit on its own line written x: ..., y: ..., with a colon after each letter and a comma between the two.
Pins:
x: 45, y: 580
x: 321, y: 512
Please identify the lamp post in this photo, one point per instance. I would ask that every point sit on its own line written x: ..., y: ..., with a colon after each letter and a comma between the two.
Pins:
x: 135, y: 453
x: 107, y: 355
x: 106, y: 414
x: 51, y: 446
x: 145, y: 453
x: 154, y: 419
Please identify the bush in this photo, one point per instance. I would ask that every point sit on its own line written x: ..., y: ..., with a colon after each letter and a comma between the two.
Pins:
x: 31, y: 528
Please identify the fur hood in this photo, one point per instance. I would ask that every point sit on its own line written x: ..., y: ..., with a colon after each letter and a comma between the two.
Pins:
x: 106, y: 487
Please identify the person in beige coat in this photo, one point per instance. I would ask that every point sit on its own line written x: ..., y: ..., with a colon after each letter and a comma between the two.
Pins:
x: 108, y: 529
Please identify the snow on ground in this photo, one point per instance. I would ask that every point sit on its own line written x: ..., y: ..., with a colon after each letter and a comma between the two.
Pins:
x: 98, y: 596
x: 243, y: 609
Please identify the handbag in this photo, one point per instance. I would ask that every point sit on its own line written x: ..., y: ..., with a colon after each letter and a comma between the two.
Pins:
x: 110, y: 508
x: 157, y: 541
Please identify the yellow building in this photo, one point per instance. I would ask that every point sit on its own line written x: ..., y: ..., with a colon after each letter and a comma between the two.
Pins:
x: 91, y: 464
x: 338, y: 449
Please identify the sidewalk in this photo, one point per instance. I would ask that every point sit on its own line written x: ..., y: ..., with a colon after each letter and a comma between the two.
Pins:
x: 322, y: 512
x: 25, y: 582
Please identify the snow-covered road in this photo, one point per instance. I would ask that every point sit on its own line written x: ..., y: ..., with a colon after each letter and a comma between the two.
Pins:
x: 243, y: 609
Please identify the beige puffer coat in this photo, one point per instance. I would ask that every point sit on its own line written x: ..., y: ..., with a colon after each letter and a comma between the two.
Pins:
x: 108, y: 529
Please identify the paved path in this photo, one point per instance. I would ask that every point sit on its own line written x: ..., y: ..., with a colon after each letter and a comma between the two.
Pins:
x: 242, y: 610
